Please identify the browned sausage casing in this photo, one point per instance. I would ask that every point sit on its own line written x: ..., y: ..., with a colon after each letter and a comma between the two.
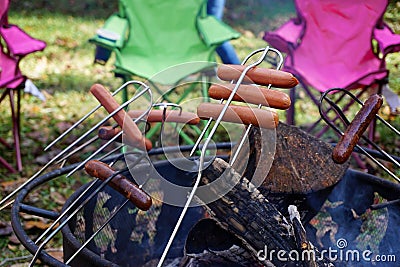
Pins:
x: 240, y: 114
x: 170, y: 116
x: 261, y: 76
x: 251, y: 94
x: 120, y: 183
x: 344, y: 148
x: 108, y: 132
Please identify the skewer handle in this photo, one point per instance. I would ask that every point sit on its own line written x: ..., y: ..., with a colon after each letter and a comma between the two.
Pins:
x: 251, y: 94
x: 342, y: 151
x: 132, y: 132
x: 120, y: 183
x: 240, y: 114
x: 261, y: 76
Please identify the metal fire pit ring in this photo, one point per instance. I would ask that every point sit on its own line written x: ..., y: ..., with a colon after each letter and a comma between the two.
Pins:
x: 19, y: 207
x: 124, y: 225
x: 386, y: 189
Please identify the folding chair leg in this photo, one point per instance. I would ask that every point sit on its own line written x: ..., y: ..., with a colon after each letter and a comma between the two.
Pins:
x: 7, y: 165
x: 205, y: 84
x: 15, y: 116
x: 290, y: 111
x: 4, y: 143
x: 19, y: 159
x: 3, y: 162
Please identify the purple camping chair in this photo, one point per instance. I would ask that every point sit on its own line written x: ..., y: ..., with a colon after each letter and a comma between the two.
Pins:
x: 17, y: 44
x: 329, y: 45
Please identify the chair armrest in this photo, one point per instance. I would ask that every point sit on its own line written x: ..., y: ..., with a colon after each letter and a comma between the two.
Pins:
x: 112, y: 34
x: 388, y: 41
x: 18, y: 42
x: 286, y: 37
x: 214, y: 31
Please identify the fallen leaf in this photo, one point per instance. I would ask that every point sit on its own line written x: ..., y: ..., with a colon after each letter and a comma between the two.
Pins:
x: 11, y: 185
x: 57, y: 197
x: 14, y: 239
x: 20, y: 265
x: 5, y: 228
x: 12, y: 247
x: 63, y: 126
x: 56, y: 253
x: 36, y: 224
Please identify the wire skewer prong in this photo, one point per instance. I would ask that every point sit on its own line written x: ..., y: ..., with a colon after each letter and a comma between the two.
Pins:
x: 85, y: 117
x: 339, y: 112
x: 202, y: 157
x: 54, y: 159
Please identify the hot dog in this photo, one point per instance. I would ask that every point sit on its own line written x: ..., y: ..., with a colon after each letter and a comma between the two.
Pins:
x: 240, y: 114
x: 132, y: 132
x: 251, y: 94
x: 342, y: 151
x: 261, y: 76
x: 120, y: 183
x: 170, y: 116
x: 108, y: 132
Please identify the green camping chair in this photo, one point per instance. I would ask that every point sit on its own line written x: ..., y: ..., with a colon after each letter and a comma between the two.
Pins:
x: 164, y: 42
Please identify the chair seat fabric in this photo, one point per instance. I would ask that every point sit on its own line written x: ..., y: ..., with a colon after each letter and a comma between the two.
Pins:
x: 19, y: 42
x: 335, y: 46
x: 164, y: 70
x: 162, y: 34
x: 14, y: 45
x: 10, y: 75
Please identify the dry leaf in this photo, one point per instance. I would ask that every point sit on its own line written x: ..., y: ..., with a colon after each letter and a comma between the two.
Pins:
x: 63, y: 126
x: 12, y: 247
x: 22, y: 264
x: 5, y: 228
x: 56, y: 253
x: 57, y: 197
x: 14, y: 239
x: 36, y: 224
x: 11, y: 185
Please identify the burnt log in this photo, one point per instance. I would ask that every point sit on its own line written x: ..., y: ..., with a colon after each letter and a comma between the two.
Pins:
x: 301, y: 173
x: 208, y: 244
x: 248, y: 215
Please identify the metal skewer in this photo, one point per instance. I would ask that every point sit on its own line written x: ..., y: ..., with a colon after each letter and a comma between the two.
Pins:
x: 86, y: 116
x: 387, y: 156
x: 202, y: 156
x: 279, y: 65
x: 143, y: 154
x: 164, y: 107
x: 54, y: 159
x: 259, y: 106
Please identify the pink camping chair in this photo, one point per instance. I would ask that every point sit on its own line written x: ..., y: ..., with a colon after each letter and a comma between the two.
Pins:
x: 17, y: 45
x: 329, y: 45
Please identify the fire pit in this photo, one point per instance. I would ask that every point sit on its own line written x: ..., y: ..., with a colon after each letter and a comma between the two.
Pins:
x: 279, y: 196
x: 357, y: 217
x: 131, y: 238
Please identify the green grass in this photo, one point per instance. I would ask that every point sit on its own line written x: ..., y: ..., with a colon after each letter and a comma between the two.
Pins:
x: 65, y: 69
